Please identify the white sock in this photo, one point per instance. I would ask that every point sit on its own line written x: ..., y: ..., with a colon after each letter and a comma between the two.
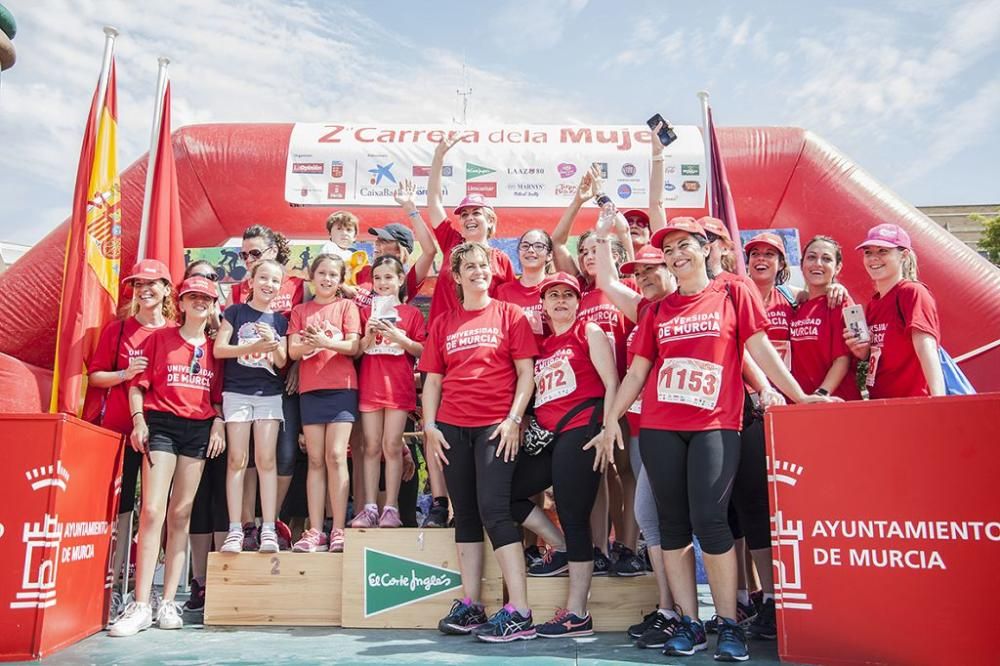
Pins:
x: 235, y: 527
x: 371, y: 507
x: 743, y: 597
x: 669, y: 614
x: 267, y: 527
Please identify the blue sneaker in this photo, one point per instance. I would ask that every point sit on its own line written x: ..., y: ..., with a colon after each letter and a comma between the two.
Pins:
x: 462, y: 619
x: 732, y: 645
x: 745, y: 614
x: 505, y: 626
x: 566, y: 625
x: 553, y: 563
x: 688, y: 638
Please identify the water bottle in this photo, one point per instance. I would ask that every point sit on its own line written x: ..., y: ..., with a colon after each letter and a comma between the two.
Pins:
x: 608, y: 211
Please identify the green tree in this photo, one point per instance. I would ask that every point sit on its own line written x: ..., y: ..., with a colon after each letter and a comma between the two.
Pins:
x: 990, y: 242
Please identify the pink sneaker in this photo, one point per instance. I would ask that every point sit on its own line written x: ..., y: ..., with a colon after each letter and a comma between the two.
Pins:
x: 390, y: 517
x: 312, y: 541
x: 336, y: 540
x: 367, y: 518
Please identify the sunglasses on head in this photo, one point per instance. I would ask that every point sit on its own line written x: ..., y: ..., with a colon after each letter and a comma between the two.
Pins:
x: 256, y: 254
x: 214, y: 277
x: 199, y: 352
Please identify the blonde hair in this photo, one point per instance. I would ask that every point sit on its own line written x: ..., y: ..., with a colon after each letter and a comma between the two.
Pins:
x: 458, y: 254
x: 343, y: 218
x: 909, y: 264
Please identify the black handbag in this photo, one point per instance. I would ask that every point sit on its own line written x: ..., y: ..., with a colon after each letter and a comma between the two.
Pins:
x: 536, y: 438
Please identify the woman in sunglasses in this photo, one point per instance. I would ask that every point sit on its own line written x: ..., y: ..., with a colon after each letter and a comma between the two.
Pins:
x: 175, y: 406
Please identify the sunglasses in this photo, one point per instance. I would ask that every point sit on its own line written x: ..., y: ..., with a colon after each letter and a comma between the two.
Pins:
x: 199, y: 353
x: 256, y: 254
x: 214, y: 277
x: 537, y: 247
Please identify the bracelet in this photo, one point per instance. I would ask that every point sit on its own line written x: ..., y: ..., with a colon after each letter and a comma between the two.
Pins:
x: 414, y: 213
x: 513, y: 417
x: 121, y: 375
x: 657, y: 158
x: 135, y: 414
x: 430, y: 425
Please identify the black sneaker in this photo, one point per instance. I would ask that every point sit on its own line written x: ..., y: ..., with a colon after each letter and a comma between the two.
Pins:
x: 437, y: 516
x: 688, y: 638
x: 566, y: 625
x: 532, y: 556
x: 765, y: 625
x: 196, y: 602
x: 659, y: 632
x: 462, y: 619
x: 602, y: 565
x: 628, y: 563
x: 640, y: 628
x: 744, y: 616
x: 757, y: 599
x: 553, y: 563
x: 732, y: 645
x: 505, y: 626
x: 644, y: 554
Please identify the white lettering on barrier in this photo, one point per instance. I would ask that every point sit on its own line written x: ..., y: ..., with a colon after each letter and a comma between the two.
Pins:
x: 413, y: 582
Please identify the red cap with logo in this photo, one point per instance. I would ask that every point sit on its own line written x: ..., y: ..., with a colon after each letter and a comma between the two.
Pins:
x: 472, y: 201
x: 714, y: 225
x: 557, y: 279
x: 149, y: 269
x: 767, y: 238
x: 638, y: 217
x: 887, y: 235
x: 198, y: 285
x: 688, y: 224
x: 647, y: 254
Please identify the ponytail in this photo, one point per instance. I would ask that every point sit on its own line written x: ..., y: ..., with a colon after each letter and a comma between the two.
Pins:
x: 910, y: 266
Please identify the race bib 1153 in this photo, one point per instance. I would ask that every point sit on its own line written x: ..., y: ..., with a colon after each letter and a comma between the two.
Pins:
x: 689, y: 381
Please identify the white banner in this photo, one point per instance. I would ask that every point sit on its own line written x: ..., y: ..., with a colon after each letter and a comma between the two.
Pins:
x: 536, y: 166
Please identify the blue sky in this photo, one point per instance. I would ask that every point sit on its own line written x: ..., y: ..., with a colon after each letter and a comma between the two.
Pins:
x: 909, y: 89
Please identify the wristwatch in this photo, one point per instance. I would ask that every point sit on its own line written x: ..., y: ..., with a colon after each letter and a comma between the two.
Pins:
x: 821, y: 391
x: 516, y: 419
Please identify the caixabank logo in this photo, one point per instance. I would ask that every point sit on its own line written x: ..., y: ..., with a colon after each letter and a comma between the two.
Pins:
x: 392, y: 581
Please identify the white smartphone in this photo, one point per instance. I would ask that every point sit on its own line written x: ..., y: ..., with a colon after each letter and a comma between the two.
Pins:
x: 854, y: 318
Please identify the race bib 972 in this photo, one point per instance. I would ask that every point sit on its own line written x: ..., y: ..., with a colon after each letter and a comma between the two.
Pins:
x: 555, y: 381
x: 689, y: 381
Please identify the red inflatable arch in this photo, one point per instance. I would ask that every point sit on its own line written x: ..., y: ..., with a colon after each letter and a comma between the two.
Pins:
x: 233, y: 175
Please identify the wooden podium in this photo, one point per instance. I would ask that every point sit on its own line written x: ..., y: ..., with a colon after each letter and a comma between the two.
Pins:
x: 615, y: 603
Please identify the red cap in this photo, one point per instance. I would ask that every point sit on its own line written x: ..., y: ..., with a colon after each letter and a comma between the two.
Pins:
x: 472, y: 201
x: 559, y: 278
x: 637, y: 215
x: 687, y: 224
x: 768, y: 239
x: 647, y: 254
x: 714, y: 225
x: 887, y: 235
x: 198, y: 285
x: 149, y: 269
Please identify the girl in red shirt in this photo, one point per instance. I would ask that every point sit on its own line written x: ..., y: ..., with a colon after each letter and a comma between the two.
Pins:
x: 534, y: 249
x: 478, y: 361
x: 903, y: 320
x: 324, y: 335
x: 391, y: 344
x: 690, y: 423
x: 175, y: 405
x: 117, y: 359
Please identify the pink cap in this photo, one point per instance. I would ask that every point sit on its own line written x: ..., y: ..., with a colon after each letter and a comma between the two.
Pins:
x: 714, y: 225
x: 647, y: 254
x: 687, y: 224
x: 768, y: 239
x: 559, y: 278
x: 149, y: 269
x: 638, y: 216
x: 887, y: 235
x: 472, y: 201
x: 198, y: 285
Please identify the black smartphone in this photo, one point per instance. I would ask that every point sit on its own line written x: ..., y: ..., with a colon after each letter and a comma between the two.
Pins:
x: 667, y: 134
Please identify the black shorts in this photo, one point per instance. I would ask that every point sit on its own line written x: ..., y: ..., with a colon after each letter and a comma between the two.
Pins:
x: 177, y: 435
x: 329, y: 406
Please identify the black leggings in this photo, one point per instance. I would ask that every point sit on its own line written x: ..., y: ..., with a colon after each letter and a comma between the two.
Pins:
x: 210, y: 513
x: 131, y: 463
x: 750, y: 490
x: 288, y: 436
x: 569, y: 469
x: 479, y: 484
x: 692, y: 476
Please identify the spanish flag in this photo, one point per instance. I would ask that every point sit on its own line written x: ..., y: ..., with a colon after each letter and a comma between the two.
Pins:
x: 93, y: 251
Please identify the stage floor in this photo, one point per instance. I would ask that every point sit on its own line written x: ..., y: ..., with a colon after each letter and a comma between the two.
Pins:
x: 196, y: 644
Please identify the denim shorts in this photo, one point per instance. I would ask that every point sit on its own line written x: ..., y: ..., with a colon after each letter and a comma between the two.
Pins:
x: 240, y: 408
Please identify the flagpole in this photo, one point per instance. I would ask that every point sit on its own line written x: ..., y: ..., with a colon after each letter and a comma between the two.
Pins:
x: 161, y: 87
x: 110, y: 34
x: 706, y: 136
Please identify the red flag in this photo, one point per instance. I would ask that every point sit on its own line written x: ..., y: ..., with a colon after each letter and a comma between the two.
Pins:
x: 722, y: 197
x: 93, y: 250
x: 164, y: 240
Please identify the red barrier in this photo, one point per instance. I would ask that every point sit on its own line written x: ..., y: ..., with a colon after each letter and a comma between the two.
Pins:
x: 59, y: 489
x: 886, y: 530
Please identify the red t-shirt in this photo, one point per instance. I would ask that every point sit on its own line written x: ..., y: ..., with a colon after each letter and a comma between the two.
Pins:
x: 595, y: 306
x: 445, y: 298
x: 779, y: 315
x: 386, y: 369
x: 475, y: 351
x: 817, y: 338
x: 695, y: 344
x: 291, y: 294
x: 565, y: 377
x: 530, y: 300
x: 323, y: 368
x: 635, y: 409
x: 726, y: 276
x: 894, y: 370
x: 363, y: 297
x: 133, y: 343
x: 168, y: 381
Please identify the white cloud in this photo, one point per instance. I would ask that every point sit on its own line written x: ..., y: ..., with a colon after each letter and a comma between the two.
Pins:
x: 535, y: 25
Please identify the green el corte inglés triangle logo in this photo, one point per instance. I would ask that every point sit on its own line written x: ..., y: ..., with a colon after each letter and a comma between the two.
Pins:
x: 476, y: 170
x: 392, y: 581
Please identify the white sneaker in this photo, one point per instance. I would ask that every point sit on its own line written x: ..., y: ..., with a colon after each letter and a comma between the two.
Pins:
x: 233, y: 543
x: 135, y: 618
x: 169, y: 616
x: 268, y: 541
